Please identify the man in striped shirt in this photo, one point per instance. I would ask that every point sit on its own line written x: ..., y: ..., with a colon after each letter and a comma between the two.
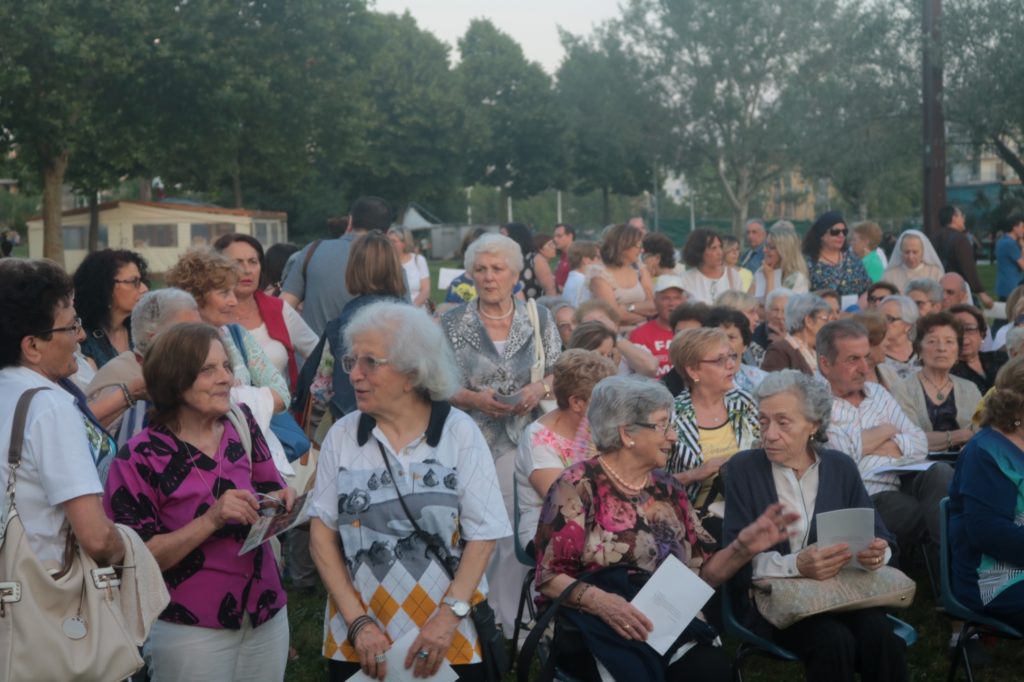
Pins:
x: 868, y: 425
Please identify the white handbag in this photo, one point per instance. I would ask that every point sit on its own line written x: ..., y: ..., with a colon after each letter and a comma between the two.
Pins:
x: 537, y: 369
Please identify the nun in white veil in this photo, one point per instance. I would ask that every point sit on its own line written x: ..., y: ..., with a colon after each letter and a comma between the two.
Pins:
x: 914, y: 257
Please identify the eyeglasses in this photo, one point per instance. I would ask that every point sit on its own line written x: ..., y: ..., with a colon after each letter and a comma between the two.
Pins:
x: 664, y: 428
x: 892, y: 319
x: 367, y: 363
x: 972, y: 328
x: 838, y: 231
x: 134, y: 282
x: 74, y: 328
x: 724, y: 360
x: 878, y: 299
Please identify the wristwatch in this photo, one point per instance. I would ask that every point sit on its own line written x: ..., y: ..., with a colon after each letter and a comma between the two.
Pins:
x: 547, y: 389
x: 631, y: 307
x: 459, y: 608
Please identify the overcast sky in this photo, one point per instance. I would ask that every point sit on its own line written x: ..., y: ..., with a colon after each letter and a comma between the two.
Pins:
x: 533, y: 23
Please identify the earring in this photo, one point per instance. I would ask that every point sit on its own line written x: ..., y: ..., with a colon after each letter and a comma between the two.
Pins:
x: 633, y: 442
x: 696, y: 380
x: 1016, y: 423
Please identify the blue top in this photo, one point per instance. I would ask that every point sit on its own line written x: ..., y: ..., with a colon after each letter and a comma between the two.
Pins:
x: 1007, y: 270
x: 752, y: 258
x: 322, y: 288
x: 985, y: 531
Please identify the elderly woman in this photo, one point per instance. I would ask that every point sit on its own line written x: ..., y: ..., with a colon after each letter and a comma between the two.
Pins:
x: 783, y: 264
x: 926, y: 294
x: 901, y: 315
x: 119, y: 390
x: 191, y: 484
x: 108, y: 284
x: 864, y: 240
x: 632, y: 357
x: 985, y: 504
x: 211, y: 278
x: 417, y: 272
x: 806, y: 314
x: 618, y: 282
x: 621, y: 509
x: 940, y: 403
x: 57, y: 483
x: 830, y: 263
x: 707, y: 275
x: 734, y: 324
x: 495, y: 349
x: 880, y: 373
x: 597, y: 338
x: 774, y: 325
x: 913, y: 257
x: 279, y: 328
x: 975, y: 365
x: 714, y: 419
x: 792, y: 469
x: 560, y: 438
x: 404, y: 448
x: 564, y: 314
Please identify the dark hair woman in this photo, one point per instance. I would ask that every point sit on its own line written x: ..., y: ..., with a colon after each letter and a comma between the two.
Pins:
x: 708, y: 275
x: 108, y: 284
x: 831, y: 263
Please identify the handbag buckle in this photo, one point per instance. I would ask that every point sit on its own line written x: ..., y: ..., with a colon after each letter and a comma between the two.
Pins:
x: 105, y: 578
x: 10, y: 592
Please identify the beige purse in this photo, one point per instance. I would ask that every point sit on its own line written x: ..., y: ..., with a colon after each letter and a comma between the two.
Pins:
x: 537, y: 369
x: 63, y: 627
x: 784, y: 601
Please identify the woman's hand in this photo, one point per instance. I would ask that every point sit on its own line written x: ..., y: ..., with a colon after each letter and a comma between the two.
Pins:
x: 873, y: 556
x: 529, y: 397
x: 285, y: 497
x: 234, y: 506
x: 621, y: 616
x: 137, y: 388
x: 823, y: 563
x: 767, y: 530
x: 485, y: 402
x: 435, y: 638
x: 371, y: 642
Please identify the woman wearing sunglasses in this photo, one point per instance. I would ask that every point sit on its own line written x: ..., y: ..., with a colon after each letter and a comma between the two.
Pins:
x: 831, y: 263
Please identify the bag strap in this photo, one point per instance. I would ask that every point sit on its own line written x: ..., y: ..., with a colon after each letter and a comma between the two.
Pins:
x: 538, y: 343
x: 18, y: 425
x: 237, y: 418
x: 236, y: 335
x: 309, y: 256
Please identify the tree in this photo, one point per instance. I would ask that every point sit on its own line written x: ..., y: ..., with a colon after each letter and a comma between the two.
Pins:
x: 724, y: 67
x: 512, y: 133
x: 614, y: 119
x: 61, y: 62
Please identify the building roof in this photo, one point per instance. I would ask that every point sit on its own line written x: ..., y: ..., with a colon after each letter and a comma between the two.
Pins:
x: 176, y: 206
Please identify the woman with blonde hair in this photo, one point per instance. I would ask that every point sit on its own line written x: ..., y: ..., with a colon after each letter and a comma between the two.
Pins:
x: 415, y: 265
x: 784, y: 265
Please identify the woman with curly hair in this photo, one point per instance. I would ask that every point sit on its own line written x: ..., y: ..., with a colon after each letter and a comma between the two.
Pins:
x: 108, y: 284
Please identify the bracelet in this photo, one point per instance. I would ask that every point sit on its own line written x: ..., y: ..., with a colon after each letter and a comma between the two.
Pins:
x: 949, y: 440
x: 579, y: 596
x: 356, y: 626
x: 128, y: 399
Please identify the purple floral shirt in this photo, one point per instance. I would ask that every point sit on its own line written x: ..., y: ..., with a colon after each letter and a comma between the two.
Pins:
x: 159, y: 484
x: 586, y: 523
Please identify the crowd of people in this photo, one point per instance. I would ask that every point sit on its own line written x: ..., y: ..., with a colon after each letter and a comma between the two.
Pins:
x: 590, y: 404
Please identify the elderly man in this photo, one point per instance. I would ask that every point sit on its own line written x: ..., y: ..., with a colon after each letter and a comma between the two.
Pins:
x: 926, y: 294
x: 657, y: 334
x: 756, y: 234
x: 954, y: 290
x: 563, y: 237
x: 869, y: 425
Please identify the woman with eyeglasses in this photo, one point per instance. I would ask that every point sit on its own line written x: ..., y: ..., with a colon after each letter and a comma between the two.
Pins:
x: 940, y: 403
x: 714, y: 419
x: 405, y: 458
x: 975, y: 364
x: 901, y: 315
x: 108, y: 284
x: 806, y: 314
x: 783, y: 264
x: 831, y: 263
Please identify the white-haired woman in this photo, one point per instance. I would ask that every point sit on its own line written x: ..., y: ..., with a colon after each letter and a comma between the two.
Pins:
x: 900, y: 317
x: 783, y: 265
x: 774, y: 325
x: 913, y: 257
x: 806, y: 314
x: 494, y: 344
x: 623, y: 512
x: 414, y: 264
x: 791, y: 469
x: 404, y: 440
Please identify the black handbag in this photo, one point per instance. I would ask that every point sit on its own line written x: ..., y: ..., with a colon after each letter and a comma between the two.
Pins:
x: 493, y: 649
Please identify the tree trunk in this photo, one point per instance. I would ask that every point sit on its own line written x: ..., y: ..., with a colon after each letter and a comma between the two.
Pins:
x: 862, y: 209
x: 1009, y: 157
x: 606, y: 211
x: 53, y: 179
x: 94, y: 221
x: 145, y: 189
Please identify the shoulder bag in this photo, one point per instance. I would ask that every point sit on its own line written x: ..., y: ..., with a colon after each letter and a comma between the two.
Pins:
x: 67, y: 626
x: 537, y: 368
x: 493, y: 650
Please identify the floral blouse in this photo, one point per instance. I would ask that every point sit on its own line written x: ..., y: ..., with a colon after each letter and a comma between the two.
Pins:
x: 586, y: 523
x: 848, y: 277
x: 250, y: 364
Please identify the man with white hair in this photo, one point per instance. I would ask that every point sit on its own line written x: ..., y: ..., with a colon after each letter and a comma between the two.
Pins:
x: 954, y: 290
x: 756, y: 235
x: 927, y: 294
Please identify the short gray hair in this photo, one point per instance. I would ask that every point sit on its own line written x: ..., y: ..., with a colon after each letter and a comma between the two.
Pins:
x: 777, y: 292
x: 908, y: 310
x: 411, y: 331
x: 623, y: 401
x: 813, y: 393
x: 1015, y: 341
x: 837, y: 330
x: 928, y: 287
x: 494, y: 245
x: 799, y: 306
x: 154, y: 311
x: 554, y: 303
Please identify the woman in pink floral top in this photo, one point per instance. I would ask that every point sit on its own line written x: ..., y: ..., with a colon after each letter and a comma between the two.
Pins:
x: 191, y: 486
x: 622, y: 509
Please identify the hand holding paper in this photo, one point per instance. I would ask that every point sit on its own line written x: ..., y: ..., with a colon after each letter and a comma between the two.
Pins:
x: 671, y: 599
x: 396, y: 670
x: 853, y: 527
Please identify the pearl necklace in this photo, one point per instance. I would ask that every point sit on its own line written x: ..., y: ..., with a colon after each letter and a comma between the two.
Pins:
x: 634, y: 489
x: 480, y: 310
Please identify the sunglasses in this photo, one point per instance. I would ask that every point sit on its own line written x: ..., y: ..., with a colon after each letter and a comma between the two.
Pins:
x: 878, y: 299
x: 835, y: 232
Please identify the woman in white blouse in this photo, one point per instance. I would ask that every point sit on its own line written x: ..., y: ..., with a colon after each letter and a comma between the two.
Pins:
x: 784, y: 265
x: 415, y: 265
x: 707, y: 275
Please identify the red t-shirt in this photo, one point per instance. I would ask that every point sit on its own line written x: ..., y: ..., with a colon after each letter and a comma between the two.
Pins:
x: 656, y: 339
x: 562, y: 271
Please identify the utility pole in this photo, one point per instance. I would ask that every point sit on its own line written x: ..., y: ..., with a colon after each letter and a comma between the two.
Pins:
x: 934, y: 122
